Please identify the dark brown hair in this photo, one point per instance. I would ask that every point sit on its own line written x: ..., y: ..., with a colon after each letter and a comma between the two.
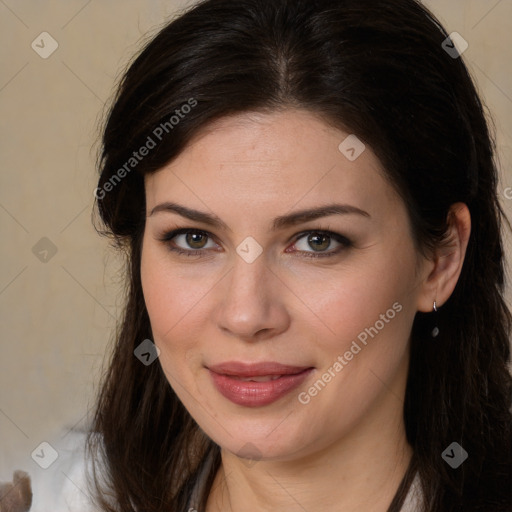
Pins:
x: 374, y: 68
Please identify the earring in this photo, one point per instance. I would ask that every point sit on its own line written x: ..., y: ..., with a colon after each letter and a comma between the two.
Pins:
x: 435, y: 330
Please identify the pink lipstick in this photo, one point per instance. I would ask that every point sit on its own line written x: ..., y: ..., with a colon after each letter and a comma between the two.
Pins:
x: 256, y: 384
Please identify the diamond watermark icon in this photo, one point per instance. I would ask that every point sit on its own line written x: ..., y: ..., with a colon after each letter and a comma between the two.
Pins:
x: 249, y: 454
x: 44, y: 250
x: 454, y: 455
x: 249, y: 249
x: 351, y: 147
x: 455, y: 45
x: 147, y: 352
x: 45, y: 455
x: 44, y: 45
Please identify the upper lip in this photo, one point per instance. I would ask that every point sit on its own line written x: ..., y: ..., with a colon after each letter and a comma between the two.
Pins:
x: 239, y: 369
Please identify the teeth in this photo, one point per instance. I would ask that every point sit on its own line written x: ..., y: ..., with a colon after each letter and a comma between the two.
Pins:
x: 262, y: 378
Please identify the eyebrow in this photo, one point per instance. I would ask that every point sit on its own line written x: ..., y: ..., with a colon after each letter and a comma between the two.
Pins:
x: 281, y: 222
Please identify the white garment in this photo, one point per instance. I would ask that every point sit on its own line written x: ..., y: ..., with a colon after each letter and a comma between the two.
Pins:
x: 414, y: 498
x: 62, y: 487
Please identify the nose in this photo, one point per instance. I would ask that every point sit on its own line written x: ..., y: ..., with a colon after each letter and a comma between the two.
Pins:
x: 252, y: 303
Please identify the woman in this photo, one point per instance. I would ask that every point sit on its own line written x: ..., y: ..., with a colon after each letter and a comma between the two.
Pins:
x: 306, y: 195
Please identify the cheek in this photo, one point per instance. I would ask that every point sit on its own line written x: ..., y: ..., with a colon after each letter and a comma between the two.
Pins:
x: 369, y: 313
x: 346, y: 302
x: 173, y: 302
x: 169, y: 311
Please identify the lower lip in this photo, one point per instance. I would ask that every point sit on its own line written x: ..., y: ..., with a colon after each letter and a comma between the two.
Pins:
x: 257, y: 394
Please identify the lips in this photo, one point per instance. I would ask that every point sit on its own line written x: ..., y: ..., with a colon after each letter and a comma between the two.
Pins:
x: 262, y: 378
x: 257, y: 384
x: 245, y: 370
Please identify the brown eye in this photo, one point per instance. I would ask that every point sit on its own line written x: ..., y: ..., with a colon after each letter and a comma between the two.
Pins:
x: 314, y: 244
x: 319, y: 241
x: 196, y: 240
x: 188, y: 241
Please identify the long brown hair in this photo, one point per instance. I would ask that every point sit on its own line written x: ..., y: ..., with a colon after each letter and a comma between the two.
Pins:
x: 379, y: 70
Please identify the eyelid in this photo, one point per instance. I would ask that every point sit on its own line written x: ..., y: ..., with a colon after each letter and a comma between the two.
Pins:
x: 168, y: 236
x: 336, y: 236
x: 341, y: 239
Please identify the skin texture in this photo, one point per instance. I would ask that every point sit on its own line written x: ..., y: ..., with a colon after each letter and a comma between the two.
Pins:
x: 16, y: 496
x: 346, y: 448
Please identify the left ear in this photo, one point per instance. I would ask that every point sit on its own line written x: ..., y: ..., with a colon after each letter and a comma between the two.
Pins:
x: 447, y: 259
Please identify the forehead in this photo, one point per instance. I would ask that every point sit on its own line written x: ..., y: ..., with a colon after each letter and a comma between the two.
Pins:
x: 262, y: 160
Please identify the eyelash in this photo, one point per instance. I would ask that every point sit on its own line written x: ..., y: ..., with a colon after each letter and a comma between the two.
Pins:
x: 345, y: 242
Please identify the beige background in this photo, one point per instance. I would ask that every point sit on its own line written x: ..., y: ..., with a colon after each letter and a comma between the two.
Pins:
x: 57, y: 316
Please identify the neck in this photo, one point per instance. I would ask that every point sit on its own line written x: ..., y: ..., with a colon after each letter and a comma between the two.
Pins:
x: 362, y: 471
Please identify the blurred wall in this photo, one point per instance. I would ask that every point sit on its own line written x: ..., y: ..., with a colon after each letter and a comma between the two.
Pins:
x: 59, y: 281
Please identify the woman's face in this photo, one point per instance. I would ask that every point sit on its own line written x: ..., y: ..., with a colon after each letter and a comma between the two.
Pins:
x: 330, y: 297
